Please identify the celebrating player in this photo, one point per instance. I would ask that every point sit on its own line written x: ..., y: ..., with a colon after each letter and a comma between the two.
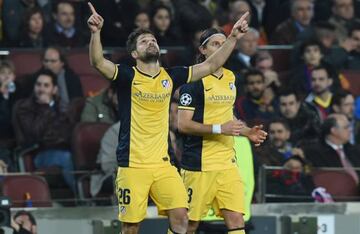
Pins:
x: 143, y: 152
x: 210, y: 174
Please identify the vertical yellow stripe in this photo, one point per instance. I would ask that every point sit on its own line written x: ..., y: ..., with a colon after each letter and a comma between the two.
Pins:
x: 115, y: 73
x: 190, y: 74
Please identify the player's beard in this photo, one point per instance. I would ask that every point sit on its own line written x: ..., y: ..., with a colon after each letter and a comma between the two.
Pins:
x: 150, y: 56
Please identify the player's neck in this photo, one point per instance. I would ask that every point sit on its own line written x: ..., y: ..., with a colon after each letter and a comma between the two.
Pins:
x: 148, y: 68
x: 218, y: 72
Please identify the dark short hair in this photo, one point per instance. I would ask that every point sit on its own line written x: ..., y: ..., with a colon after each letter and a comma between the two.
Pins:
x: 324, y: 25
x: 338, y: 97
x: 311, y: 42
x: 323, y: 67
x: 282, y: 121
x: 287, y: 92
x: 58, y: 2
x: 132, y: 39
x: 27, y: 16
x: 153, y: 10
x: 23, y: 212
x: 59, y: 50
x: 327, y: 125
x: 253, y: 72
x: 204, y: 36
x: 47, y: 72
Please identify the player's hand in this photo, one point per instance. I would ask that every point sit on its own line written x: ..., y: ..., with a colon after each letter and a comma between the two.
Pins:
x: 232, y: 127
x: 240, y: 27
x: 257, y: 135
x: 95, y: 21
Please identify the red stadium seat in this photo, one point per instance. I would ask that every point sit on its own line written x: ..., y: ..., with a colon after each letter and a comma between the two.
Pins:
x: 338, y: 183
x: 93, y: 84
x: 25, y: 61
x: 78, y: 60
x: 86, y: 144
x: 16, y: 187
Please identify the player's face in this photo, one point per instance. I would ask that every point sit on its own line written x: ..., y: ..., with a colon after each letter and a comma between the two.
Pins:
x: 278, y: 134
x: 312, y: 55
x: 289, y: 106
x: 44, y: 86
x: 303, y: 12
x: 255, y: 86
x: 356, y: 37
x: 347, y: 106
x: 320, y: 82
x: 147, y: 49
x: 213, y: 45
x: 162, y: 20
x: 52, y: 61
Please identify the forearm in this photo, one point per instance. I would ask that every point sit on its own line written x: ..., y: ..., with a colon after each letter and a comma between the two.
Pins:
x: 194, y: 128
x: 96, y: 50
x: 218, y: 59
x: 215, y: 61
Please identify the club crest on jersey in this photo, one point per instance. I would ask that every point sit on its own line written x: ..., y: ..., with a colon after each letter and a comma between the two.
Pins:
x: 231, y: 85
x: 165, y: 84
x: 185, y: 99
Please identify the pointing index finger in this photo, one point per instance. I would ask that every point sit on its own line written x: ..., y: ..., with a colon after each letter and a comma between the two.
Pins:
x: 92, y: 8
x: 243, y: 17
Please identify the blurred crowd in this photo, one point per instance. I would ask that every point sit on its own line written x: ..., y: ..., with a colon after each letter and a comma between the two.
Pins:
x: 302, y: 94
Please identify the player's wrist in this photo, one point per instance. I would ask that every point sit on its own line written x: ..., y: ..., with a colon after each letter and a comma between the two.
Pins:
x: 216, y: 128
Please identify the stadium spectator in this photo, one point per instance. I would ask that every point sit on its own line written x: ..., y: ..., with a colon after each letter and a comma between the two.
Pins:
x: 278, y: 148
x: 142, y: 20
x: 236, y: 9
x: 68, y: 81
x: 320, y: 97
x: 333, y: 148
x: 12, y: 10
x: 32, y: 33
x: 288, y: 31
x: 63, y: 31
x: 39, y: 121
x: 254, y: 108
x: 303, y: 122
x: 24, y: 222
x: 102, y: 107
x: 161, y: 25
x: 343, y: 102
x: 263, y: 61
x: 353, y: 61
x: 246, y: 47
x: 104, y: 182
x: 343, y: 18
x: 312, y: 56
x: 7, y: 91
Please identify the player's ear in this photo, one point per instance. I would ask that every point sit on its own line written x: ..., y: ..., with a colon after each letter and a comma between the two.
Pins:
x: 202, y: 49
x: 134, y: 54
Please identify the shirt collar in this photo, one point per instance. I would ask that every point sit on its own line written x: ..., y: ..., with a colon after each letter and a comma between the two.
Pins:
x: 67, y: 32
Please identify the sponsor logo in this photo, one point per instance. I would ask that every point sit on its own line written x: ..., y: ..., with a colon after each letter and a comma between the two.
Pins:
x: 208, y: 89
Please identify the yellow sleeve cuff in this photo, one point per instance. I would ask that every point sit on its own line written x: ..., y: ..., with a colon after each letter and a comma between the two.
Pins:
x: 186, y: 108
x: 190, y: 74
x: 115, y: 73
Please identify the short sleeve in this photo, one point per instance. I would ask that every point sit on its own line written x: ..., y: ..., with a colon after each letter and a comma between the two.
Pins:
x: 238, y: 84
x: 123, y: 74
x: 180, y: 75
x: 189, y: 94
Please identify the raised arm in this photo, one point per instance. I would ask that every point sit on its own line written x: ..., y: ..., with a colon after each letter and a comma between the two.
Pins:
x: 217, y: 60
x: 97, y: 60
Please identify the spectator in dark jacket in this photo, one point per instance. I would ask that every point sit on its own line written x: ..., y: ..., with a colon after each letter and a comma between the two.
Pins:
x: 39, y: 121
x: 68, y: 83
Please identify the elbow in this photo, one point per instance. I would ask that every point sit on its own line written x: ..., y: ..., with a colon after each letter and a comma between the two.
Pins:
x: 182, y: 127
